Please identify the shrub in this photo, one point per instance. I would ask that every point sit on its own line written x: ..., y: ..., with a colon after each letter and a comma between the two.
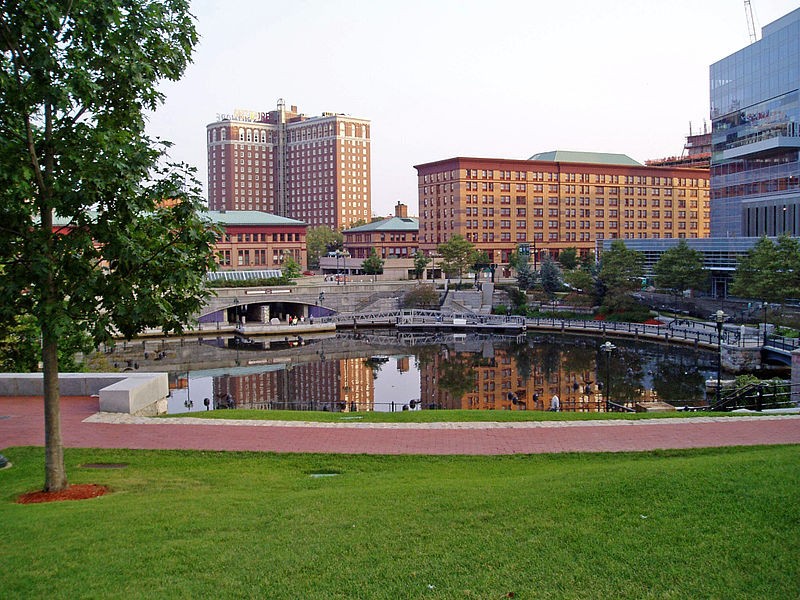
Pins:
x: 265, y: 282
x: 423, y: 295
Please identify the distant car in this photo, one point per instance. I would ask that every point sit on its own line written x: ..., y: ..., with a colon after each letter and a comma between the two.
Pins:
x: 309, y: 273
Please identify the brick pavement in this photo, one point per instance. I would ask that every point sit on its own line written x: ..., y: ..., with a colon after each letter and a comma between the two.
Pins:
x: 21, y: 424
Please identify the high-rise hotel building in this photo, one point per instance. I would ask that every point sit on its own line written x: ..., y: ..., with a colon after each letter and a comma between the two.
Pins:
x: 558, y: 200
x: 312, y: 169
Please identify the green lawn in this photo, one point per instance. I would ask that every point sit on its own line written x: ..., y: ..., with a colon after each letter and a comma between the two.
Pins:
x: 719, y: 523
x: 439, y: 416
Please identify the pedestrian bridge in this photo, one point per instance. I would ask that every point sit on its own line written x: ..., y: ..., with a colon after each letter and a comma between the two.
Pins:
x: 243, y: 305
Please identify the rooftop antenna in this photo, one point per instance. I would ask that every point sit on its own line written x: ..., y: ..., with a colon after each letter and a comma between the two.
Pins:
x: 751, y: 25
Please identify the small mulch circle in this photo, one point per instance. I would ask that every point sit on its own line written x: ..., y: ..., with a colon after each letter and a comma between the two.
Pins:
x: 81, y: 491
x: 653, y: 322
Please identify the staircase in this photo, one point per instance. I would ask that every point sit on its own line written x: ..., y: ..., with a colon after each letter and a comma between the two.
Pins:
x: 474, y: 301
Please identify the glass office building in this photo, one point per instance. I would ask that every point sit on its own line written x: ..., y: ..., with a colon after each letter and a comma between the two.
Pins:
x: 755, y: 113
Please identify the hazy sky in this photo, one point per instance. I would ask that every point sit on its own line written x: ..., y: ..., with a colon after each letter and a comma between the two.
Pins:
x: 444, y: 78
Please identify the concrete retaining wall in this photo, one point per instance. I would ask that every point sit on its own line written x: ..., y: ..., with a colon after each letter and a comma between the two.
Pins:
x: 118, y: 392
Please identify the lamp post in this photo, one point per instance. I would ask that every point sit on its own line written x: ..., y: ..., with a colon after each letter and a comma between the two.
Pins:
x: 608, y: 347
x: 765, y: 321
x: 719, y: 318
x: 338, y: 271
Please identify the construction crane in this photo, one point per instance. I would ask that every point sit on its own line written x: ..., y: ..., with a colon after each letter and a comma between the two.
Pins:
x: 751, y: 24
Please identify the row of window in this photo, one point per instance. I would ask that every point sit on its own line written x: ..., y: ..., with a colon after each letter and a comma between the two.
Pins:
x: 567, y: 201
x: 452, y: 175
x: 257, y: 256
x: 559, y: 224
x: 263, y: 237
x: 488, y: 237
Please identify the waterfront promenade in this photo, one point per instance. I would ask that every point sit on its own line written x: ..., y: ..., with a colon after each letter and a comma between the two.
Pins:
x: 22, y: 424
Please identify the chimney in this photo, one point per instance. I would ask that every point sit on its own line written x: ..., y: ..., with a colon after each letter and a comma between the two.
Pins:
x: 401, y: 210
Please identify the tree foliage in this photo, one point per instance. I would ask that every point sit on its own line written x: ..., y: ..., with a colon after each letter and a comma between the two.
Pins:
x: 526, y: 276
x: 568, y: 258
x: 550, y: 277
x: 319, y: 241
x: 21, y: 351
x: 681, y: 268
x: 769, y: 271
x: 290, y: 268
x: 458, y: 255
x: 581, y: 280
x: 420, y: 263
x: 620, y: 274
x: 88, y: 241
x: 373, y: 264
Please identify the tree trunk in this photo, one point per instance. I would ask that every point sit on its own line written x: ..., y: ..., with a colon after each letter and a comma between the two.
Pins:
x: 55, y: 472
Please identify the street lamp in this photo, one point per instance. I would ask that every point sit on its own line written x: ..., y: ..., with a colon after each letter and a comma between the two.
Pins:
x: 766, y: 306
x: 719, y: 318
x: 608, y: 347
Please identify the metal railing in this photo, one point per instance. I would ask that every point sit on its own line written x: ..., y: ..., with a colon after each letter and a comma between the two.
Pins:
x: 758, y: 396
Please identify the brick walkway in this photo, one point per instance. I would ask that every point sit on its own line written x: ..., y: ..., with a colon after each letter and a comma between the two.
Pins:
x: 21, y: 424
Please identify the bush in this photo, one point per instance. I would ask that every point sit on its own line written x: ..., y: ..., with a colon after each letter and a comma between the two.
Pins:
x: 265, y: 282
x: 423, y: 295
x: 634, y: 314
x: 518, y: 298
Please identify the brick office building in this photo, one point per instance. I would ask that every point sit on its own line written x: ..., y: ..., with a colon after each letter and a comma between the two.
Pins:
x: 558, y: 200
x: 393, y: 237
x: 314, y: 169
x: 257, y: 240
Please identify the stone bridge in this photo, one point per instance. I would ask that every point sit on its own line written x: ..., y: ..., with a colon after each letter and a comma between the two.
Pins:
x: 307, y: 299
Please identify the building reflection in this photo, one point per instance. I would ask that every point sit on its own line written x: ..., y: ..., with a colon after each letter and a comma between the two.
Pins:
x: 475, y: 374
x: 328, y: 385
x: 523, y: 378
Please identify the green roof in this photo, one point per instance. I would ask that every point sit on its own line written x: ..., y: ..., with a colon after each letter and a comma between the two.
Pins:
x: 233, y: 217
x: 595, y: 158
x: 390, y: 224
x: 249, y: 217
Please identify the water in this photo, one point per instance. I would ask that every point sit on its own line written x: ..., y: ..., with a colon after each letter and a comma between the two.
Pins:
x: 386, y: 371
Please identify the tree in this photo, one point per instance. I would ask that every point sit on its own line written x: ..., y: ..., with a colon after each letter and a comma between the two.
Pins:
x: 526, y: 277
x: 420, y: 262
x: 20, y: 346
x: 680, y: 268
x: 580, y: 280
x: 100, y: 232
x: 516, y: 258
x: 373, y: 264
x: 458, y: 255
x: 769, y: 271
x: 568, y: 258
x: 550, y: 277
x: 620, y: 274
x: 290, y: 268
x: 320, y: 240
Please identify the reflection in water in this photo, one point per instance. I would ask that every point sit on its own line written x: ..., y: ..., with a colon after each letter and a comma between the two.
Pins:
x: 467, y: 372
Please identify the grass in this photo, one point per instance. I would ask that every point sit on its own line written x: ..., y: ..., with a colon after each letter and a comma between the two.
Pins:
x: 718, y: 523
x: 438, y: 416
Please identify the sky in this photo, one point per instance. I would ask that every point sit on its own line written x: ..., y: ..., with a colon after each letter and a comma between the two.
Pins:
x: 445, y: 78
